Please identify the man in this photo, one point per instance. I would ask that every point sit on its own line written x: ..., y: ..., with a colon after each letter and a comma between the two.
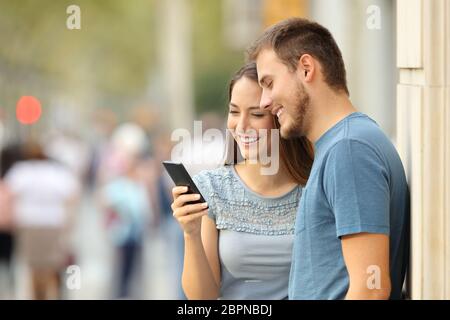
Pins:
x: 352, y: 227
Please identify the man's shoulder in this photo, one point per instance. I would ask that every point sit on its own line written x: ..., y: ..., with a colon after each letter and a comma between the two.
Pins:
x: 356, y: 128
x: 351, y: 153
x: 365, y: 130
x: 361, y: 133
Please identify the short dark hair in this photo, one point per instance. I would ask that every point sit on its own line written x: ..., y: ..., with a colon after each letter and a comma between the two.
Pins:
x: 293, y: 37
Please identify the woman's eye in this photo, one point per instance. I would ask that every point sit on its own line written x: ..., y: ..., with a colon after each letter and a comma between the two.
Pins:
x: 233, y: 112
x: 259, y: 115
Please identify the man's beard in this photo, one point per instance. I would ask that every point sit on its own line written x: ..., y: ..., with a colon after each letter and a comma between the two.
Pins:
x: 300, y: 118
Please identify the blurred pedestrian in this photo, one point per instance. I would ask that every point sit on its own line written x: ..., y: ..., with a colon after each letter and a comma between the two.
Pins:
x: 126, y: 202
x: 9, y: 155
x: 43, y: 191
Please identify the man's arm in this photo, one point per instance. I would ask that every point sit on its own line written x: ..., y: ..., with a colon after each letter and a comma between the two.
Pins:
x: 366, y: 256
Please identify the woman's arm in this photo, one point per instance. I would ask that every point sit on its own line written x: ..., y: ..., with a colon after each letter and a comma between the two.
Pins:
x: 201, y: 272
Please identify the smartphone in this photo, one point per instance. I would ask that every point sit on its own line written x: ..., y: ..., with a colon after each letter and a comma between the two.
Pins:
x: 181, y: 177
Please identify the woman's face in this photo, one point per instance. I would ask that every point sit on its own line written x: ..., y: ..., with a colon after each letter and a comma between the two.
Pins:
x: 246, y: 119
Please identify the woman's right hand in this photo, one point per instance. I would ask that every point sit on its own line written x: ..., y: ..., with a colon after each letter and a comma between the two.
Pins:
x: 189, y: 216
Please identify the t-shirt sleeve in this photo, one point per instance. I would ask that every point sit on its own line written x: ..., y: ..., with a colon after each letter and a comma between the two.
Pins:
x: 204, y: 184
x: 356, y: 184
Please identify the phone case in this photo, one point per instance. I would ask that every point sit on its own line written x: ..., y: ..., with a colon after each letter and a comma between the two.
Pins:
x: 181, y: 177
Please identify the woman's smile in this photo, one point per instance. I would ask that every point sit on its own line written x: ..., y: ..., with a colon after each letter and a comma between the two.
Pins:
x: 247, y: 140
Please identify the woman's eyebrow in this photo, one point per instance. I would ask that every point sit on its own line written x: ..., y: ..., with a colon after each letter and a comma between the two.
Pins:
x: 249, y: 108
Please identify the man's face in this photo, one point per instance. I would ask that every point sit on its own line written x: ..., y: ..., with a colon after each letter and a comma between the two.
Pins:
x: 283, y: 94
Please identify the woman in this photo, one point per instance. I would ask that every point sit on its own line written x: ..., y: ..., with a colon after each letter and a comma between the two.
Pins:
x: 43, y: 192
x: 240, y: 246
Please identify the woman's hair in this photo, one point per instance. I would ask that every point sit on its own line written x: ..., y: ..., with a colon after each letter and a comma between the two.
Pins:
x: 296, y: 154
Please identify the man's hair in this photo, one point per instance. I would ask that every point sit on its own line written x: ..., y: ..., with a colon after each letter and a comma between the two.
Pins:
x: 291, y: 38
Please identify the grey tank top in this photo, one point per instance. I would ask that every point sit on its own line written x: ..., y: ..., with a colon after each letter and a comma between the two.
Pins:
x: 256, y: 234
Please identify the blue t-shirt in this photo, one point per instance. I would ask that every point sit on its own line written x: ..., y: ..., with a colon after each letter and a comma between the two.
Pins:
x: 357, y: 184
x: 129, y: 200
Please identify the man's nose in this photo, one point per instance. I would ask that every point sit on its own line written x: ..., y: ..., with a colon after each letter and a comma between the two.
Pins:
x: 266, y: 101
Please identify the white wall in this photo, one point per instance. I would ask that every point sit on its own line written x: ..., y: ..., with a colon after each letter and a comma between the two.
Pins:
x: 369, y: 53
x: 423, y: 126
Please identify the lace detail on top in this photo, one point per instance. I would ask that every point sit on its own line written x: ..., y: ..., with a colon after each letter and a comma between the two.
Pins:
x: 233, y: 206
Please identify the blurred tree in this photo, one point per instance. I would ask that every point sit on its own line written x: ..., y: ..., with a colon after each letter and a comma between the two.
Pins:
x: 112, y: 52
x: 214, y: 61
x: 109, y: 61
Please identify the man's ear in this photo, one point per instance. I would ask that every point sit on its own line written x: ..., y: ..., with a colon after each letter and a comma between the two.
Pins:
x: 306, y: 67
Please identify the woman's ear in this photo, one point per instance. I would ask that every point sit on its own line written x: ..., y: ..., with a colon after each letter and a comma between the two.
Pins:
x: 306, y: 67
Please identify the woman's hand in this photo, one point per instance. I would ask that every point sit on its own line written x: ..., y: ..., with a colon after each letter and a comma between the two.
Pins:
x: 189, y: 216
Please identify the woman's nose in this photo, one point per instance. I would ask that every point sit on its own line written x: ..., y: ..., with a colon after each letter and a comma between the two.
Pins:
x: 243, y: 123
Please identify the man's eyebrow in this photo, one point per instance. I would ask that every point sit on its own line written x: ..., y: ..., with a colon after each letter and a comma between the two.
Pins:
x: 234, y: 105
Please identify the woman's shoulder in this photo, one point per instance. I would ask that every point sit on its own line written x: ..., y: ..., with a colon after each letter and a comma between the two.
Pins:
x: 214, y: 184
x: 217, y: 172
x: 214, y: 178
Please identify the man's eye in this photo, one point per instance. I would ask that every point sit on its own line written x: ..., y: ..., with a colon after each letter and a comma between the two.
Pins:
x: 234, y: 112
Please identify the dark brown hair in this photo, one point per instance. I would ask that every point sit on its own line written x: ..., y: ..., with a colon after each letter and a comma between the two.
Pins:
x: 32, y: 150
x: 294, y: 37
x: 296, y: 153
